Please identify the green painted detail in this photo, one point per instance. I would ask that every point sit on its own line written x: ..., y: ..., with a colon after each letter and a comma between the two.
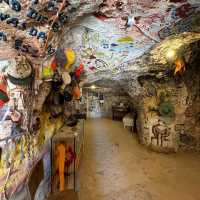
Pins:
x: 166, y: 109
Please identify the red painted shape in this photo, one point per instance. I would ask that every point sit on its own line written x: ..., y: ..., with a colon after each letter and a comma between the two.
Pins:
x: 53, y: 64
x: 79, y: 70
x: 101, y: 17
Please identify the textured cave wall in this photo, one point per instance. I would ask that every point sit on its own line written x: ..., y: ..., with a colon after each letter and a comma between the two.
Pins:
x: 179, y: 128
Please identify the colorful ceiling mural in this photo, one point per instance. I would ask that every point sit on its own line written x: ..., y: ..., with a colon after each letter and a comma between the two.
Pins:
x: 107, y: 35
x: 109, y: 41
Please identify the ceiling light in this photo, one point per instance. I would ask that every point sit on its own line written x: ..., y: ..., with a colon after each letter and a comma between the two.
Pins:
x: 171, y: 54
x: 93, y: 87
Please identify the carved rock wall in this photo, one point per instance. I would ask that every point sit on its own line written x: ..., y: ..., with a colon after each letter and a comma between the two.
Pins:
x: 168, y: 113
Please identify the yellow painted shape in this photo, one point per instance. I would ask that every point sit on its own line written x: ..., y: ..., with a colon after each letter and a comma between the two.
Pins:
x: 47, y: 71
x: 126, y: 39
x: 71, y: 56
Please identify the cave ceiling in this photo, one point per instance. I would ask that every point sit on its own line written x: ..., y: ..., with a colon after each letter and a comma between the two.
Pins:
x: 115, y: 40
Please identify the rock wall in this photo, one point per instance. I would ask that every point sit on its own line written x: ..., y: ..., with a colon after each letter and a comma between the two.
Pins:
x: 169, y: 112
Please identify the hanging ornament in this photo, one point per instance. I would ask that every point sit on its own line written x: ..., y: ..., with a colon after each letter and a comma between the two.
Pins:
x: 70, y: 55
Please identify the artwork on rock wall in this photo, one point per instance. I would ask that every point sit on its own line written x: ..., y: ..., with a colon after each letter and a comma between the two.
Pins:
x: 160, y: 134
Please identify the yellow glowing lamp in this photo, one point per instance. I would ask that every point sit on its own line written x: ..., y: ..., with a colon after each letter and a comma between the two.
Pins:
x: 93, y: 87
x: 71, y: 56
x: 171, y: 55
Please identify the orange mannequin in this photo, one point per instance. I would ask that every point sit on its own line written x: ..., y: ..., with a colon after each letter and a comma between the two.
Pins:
x: 60, y: 165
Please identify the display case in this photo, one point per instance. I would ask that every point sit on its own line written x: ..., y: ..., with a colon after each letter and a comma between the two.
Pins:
x: 67, y: 149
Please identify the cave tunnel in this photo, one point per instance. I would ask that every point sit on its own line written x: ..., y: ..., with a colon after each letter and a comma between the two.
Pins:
x: 99, y: 99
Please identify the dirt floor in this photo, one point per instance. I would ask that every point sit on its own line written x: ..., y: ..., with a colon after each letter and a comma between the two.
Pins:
x: 116, y: 167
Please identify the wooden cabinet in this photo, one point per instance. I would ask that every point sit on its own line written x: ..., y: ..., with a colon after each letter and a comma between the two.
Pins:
x: 118, y: 112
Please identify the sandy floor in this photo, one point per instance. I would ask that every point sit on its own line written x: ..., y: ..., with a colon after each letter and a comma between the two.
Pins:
x: 116, y: 167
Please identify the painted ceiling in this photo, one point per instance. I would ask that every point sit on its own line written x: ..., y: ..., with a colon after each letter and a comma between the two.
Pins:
x: 109, y: 47
x: 108, y: 36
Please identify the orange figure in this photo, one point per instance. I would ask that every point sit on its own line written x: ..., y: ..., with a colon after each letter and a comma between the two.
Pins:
x: 61, y: 165
x: 180, y: 66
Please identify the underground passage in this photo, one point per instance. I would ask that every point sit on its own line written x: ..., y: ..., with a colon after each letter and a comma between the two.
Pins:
x: 99, y: 99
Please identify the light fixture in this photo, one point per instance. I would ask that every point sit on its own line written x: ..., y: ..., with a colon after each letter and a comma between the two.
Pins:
x: 171, y: 55
x: 93, y: 87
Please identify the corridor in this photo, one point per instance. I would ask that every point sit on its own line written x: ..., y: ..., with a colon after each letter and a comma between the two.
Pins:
x: 116, y: 167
